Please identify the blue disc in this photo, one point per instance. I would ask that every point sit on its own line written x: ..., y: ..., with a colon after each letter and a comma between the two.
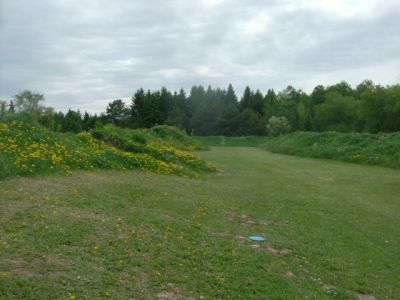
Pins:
x: 256, y: 238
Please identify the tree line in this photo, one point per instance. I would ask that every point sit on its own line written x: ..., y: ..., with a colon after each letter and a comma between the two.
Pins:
x: 213, y: 111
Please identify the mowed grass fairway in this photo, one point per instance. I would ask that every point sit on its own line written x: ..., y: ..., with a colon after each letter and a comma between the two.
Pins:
x: 332, y: 229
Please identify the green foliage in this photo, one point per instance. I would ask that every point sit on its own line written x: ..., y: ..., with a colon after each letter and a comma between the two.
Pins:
x: 215, y: 111
x: 117, y: 113
x: 72, y: 122
x: 27, y: 148
x: 151, y: 108
x: 21, y: 117
x: 250, y: 123
x: 374, y: 149
x: 337, y: 113
x: 277, y: 126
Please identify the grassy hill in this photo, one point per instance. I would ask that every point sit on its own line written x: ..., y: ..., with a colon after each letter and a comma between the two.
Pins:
x: 332, y: 232
x: 164, y: 143
x: 26, y: 148
x: 365, y: 148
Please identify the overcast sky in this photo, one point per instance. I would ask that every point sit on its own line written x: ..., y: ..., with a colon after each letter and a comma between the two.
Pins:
x: 84, y: 53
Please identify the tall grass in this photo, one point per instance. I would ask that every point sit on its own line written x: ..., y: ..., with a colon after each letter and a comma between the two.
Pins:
x: 365, y: 148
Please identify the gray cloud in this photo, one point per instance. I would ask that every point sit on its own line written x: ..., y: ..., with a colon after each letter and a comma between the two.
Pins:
x: 82, y: 54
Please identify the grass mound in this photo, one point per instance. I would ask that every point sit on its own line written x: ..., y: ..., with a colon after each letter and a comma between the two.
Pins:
x: 164, y: 143
x: 373, y: 149
x: 176, y: 137
x: 27, y: 148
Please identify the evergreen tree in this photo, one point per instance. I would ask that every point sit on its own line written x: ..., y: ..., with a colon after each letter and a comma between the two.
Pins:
x: 137, y: 108
x: 245, y: 102
x: 231, y: 96
x: 257, y: 103
x: 72, y: 121
x: 270, y: 104
x: 11, y: 107
x: 177, y: 115
x: 250, y: 123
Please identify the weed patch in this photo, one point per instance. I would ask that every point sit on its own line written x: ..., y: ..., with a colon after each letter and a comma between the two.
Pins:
x: 28, y: 149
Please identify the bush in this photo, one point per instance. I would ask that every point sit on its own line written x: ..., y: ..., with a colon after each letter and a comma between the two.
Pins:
x: 277, y: 126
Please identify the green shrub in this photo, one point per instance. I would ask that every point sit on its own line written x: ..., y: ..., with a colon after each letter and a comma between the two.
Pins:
x: 277, y: 126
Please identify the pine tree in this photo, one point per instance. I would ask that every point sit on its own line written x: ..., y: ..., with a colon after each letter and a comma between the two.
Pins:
x: 11, y: 107
x: 257, y: 103
x: 231, y: 96
x: 245, y: 102
x: 137, y: 108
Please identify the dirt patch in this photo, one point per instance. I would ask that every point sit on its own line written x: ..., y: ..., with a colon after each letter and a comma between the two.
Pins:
x: 21, y: 268
x: 261, y: 246
x: 42, y: 185
x: 230, y: 216
x: 24, y: 272
x: 83, y: 214
x: 327, y: 287
x: 365, y: 297
x: 10, y: 210
x: 175, y: 295
x: 223, y: 173
x: 55, y: 260
x: 243, y: 219
x: 277, y: 251
x: 289, y: 274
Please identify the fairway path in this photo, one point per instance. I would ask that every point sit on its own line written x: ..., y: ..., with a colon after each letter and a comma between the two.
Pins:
x: 332, y: 231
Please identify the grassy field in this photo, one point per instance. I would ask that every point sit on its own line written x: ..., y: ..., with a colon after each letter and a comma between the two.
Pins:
x: 233, y: 141
x: 332, y: 232
x: 382, y: 149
